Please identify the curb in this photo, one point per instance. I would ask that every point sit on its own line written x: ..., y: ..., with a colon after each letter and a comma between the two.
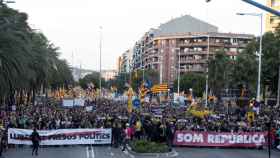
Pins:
x: 173, y: 153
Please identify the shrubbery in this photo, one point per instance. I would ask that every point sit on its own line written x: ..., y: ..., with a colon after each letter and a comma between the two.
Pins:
x: 143, y: 146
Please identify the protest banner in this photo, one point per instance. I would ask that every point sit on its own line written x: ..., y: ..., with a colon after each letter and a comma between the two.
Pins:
x: 61, y: 136
x: 220, y: 139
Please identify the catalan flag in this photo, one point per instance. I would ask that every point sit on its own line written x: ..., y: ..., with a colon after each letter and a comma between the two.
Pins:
x: 160, y: 88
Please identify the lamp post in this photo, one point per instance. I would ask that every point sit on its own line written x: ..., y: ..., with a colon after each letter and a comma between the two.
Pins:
x: 260, y: 15
x: 142, y: 65
x: 258, y: 5
x: 278, y: 91
x: 207, y: 71
x: 100, y: 61
x: 161, y: 67
x: 179, y: 71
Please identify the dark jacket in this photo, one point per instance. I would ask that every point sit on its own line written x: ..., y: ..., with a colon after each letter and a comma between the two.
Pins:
x: 35, y: 137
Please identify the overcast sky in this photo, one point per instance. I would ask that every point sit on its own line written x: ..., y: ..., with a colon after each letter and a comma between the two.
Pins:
x: 73, y: 25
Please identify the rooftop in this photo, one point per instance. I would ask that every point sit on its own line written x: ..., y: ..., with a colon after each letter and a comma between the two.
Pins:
x: 184, y: 24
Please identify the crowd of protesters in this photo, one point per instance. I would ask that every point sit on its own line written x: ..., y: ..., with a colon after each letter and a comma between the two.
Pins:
x: 148, y: 124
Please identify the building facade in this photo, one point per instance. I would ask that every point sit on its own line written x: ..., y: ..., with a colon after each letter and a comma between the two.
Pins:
x: 109, y: 74
x: 272, y: 21
x: 125, y: 65
x: 192, y: 51
x: 160, y: 49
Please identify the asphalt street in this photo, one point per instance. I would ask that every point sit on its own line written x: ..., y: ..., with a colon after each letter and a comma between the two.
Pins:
x: 108, y: 152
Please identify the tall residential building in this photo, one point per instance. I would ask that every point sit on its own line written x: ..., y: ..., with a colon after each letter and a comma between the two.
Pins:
x: 119, y: 63
x: 126, y: 61
x: 272, y: 21
x: 189, y: 36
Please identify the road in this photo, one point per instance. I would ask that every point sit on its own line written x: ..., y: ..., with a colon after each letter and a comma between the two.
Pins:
x: 108, y: 152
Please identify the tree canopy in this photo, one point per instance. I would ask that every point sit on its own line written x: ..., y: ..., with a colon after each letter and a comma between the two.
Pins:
x: 28, y: 60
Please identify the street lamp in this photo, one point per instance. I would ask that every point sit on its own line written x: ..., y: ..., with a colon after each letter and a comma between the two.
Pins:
x: 260, y: 15
x: 179, y: 70
x: 259, y: 5
x: 100, y: 61
x: 161, y: 67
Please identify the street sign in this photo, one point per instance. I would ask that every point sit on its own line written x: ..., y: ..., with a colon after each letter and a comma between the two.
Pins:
x: 136, y: 103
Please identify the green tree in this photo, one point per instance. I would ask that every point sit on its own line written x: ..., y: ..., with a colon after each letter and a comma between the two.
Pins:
x: 91, y: 78
x: 194, y: 81
x: 120, y: 82
x: 220, y: 72
x: 28, y: 61
x: 245, y: 68
x: 150, y: 75
x: 270, y: 61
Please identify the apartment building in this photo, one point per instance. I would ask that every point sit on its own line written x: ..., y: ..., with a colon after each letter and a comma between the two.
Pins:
x: 188, y: 38
x: 192, y: 49
x: 272, y: 21
x: 125, y: 61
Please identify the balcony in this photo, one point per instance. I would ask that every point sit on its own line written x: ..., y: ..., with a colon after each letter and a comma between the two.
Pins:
x: 204, y: 43
x: 192, y: 70
x: 193, y: 52
x: 193, y: 61
x: 239, y: 45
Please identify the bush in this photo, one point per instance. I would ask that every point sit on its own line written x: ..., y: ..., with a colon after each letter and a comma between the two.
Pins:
x: 143, y: 146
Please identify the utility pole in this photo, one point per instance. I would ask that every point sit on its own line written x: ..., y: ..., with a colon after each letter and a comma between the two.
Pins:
x: 278, y: 91
x: 179, y: 72
x: 207, y: 71
x: 100, y: 62
x: 260, y: 63
x: 142, y: 66
x: 260, y: 15
x: 161, y: 68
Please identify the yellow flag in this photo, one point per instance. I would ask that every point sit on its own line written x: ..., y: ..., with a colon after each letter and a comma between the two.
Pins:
x: 129, y: 105
x: 129, y: 101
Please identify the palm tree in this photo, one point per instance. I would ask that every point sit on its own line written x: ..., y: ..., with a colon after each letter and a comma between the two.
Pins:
x: 28, y: 61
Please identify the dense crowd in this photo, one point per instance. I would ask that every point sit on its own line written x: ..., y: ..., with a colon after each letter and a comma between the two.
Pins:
x: 154, y: 122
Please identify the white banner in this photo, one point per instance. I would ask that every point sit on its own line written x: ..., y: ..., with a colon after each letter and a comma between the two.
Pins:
x: 73, y: 102
x: 61, y: 136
